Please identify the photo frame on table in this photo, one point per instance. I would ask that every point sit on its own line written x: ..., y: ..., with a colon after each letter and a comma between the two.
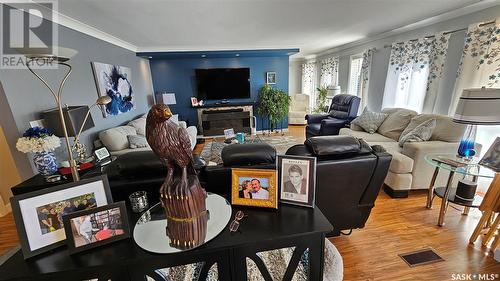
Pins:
x: 271, y: 77
x: 491, y: 158
x: 101, y: 153
x: 96, y: 227
x: 297, y: 179
x: 254, y: 187
x: 38, y: 214
x: 194, y: 101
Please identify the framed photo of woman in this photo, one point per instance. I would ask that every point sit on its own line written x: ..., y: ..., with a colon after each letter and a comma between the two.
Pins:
x: 297, y: 179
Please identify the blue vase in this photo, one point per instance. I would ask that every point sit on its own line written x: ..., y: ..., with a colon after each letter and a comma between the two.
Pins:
x: 466, y: 148
x: 45, y: 163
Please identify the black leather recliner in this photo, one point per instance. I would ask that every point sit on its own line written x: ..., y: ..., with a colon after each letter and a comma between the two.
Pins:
x: 342, y: 111
x: 349, y: 175
x: 217, y: 179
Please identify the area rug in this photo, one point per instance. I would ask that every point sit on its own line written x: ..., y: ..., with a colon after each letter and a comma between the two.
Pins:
x: 212, y: 150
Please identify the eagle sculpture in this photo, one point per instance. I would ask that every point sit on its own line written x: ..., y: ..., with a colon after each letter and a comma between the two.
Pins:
x: 181, y: 194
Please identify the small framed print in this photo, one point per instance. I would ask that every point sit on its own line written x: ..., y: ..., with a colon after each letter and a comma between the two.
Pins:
x: 492, y: 157
x: 194, y: 101
x: 96, y: 227
x: 254, y: 187
x: 38, y: 214
x: 297, y: 179
x: 271, y: 77
x: 229, y: 134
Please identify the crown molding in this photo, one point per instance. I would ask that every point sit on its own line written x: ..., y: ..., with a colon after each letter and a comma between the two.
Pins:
x: 79, y: 26
x: 469, y: 9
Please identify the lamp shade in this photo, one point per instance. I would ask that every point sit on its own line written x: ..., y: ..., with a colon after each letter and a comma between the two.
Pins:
x: 166, y: 98
x: 73, y: 117
x: 478, y: 107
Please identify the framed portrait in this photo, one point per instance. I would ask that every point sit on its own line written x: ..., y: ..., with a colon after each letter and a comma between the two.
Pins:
x: 492, y: 157
x: 271, y: 77
x: 38, y: 214
x: 254, y: 187
x: 194, y: 101
x: 297, y: 179
x: 96, y: 227
x: 229, y: 133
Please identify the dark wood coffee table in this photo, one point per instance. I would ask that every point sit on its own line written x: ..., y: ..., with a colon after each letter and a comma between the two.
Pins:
x: 262, y: 230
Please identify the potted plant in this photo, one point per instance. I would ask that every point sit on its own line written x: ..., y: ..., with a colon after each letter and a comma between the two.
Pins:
x: 42, y: 143
x: 273, y: 104
x: 321, y: 100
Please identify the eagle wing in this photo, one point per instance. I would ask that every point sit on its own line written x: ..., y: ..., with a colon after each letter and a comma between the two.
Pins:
x: 185, y: 144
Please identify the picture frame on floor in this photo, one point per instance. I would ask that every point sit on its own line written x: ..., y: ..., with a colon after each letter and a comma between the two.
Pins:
x: 297, y: 179
x: 254, y: 187
x: 38, y: 214
x: 96, y: 227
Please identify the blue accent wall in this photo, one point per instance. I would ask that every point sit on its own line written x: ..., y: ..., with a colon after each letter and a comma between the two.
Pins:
x: 178, y: 76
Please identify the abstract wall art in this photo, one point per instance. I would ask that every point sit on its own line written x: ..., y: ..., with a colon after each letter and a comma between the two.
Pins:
x: 114, y: 81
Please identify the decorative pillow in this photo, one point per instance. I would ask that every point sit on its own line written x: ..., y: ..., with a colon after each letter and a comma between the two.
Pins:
x: 139, y: 124
x: 394, y: 125
x: 137, y: 141
x: 422, y: 132
x: 369, y: 120
x: 175, y: 118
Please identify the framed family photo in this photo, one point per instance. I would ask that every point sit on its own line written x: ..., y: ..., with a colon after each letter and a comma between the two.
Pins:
x: 38, y: 214
x: 297, y: 179
x: 254, y: 187
x: 96, y: 227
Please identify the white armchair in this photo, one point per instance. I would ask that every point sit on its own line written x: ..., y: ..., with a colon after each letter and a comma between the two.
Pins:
x: 299, y: 107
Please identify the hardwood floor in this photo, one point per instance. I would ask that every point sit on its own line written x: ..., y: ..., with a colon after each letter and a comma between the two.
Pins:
x: 395, y: 226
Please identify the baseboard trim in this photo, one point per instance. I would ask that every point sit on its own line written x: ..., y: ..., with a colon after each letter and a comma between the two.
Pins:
x: 395, y: 193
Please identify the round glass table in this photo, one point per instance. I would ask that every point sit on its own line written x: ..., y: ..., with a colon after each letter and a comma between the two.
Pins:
x: 150, y: 230
x: 454, y: 164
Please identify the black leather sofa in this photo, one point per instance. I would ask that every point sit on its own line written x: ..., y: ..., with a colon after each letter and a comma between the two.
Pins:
x: 349, y: 175
x: 342, y: 111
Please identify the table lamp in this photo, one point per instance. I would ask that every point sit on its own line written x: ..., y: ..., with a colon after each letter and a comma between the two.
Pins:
x: 476, y: 107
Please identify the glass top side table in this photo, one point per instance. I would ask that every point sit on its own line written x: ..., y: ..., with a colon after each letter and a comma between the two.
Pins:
x: 453, y: 164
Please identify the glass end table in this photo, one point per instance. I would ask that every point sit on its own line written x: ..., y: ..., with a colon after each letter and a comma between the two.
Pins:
x: 454, y: 164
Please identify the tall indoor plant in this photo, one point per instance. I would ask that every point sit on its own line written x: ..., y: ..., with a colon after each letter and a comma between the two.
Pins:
x: 273, y: 104
x: 321, y: 100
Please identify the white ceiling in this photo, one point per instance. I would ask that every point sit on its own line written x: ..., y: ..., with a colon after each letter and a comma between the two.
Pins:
x: 200, y: 25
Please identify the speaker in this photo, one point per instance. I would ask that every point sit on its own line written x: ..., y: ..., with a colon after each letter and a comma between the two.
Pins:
x: 466, y: 190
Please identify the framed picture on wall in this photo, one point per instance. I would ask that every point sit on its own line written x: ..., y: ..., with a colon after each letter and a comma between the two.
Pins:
x: 38, y: 214
x: 271, y: 77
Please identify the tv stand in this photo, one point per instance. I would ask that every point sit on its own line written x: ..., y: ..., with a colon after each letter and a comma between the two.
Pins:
x: 222, y: 102
x: 213, y: 119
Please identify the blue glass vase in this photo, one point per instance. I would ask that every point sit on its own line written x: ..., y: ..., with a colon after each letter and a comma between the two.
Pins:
x: 45, y: 162
x: 467, y: 143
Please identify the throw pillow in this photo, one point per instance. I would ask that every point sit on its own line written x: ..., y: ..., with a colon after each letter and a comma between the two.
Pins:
x: 369, y: 120
x: 137, y: 141
x: 175, y: 118
x: 139, y: 124
x: 422, y: 132
x: 394, y: 125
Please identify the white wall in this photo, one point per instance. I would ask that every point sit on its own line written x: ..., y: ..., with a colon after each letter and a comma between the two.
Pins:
x: 381, y: 57
x: 295, y: 77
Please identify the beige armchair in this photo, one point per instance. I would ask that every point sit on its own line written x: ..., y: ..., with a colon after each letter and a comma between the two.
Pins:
x: 299, y: 107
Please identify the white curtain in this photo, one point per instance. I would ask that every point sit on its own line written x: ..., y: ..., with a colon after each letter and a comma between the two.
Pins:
x: 480, y: 64
x: 329, y: 72
x: 480, y: 67
x: 308, y: 81
x: 366, y: 66
x: 409, y: 67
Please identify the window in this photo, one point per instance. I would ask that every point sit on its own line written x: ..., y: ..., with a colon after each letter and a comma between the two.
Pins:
x: 355, y: 75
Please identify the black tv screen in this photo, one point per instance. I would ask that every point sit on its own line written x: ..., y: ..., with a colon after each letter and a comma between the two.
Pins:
x: 223, y: 83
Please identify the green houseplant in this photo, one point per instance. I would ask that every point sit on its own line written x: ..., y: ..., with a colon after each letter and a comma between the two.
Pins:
x: 273, y: 104
x: 321, y: 100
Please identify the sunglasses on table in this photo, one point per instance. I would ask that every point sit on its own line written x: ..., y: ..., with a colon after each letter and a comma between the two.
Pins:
x: 235, y: 224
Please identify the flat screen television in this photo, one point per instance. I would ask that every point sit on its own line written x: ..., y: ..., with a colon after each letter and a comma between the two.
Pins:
x: 223, y: 83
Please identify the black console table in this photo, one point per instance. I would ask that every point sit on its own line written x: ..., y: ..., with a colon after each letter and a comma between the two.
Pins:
x: 262, y: 230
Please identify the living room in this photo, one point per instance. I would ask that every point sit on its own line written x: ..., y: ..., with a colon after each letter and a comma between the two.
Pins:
x: 301, y: 140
